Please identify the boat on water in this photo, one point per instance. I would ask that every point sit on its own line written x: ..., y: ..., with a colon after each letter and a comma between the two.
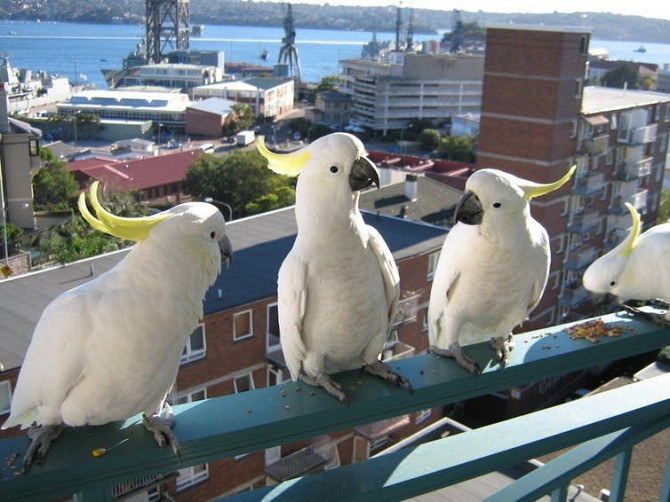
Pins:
x: 642, y: 48
x: 264, y: 54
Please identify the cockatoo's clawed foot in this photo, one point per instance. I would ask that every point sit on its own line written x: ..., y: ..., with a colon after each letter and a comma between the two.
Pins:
x: 660, y: 319
x: 328, y: 384
x: 161, y: 428
x: 456, y: 352
x: 41, y: 437
x: 380, y: 369
x: 502, y: 347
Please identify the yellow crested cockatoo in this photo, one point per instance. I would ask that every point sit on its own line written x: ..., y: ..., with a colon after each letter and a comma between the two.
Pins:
x: 493, y: 266
x: 637, y: 269
x: 338, y: 287
x: 110, y: 348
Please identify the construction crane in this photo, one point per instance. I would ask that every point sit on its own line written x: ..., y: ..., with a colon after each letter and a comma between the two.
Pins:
x: 288, y: 53
x: 167, y: 24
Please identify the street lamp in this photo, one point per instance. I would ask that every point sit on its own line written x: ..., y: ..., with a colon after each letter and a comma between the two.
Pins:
x: 230, y: 209
x: 5, y: 270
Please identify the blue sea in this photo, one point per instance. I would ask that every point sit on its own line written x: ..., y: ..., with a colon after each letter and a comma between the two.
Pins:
x: 80, y: 51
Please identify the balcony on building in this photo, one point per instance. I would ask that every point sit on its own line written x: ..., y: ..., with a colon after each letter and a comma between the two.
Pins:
x: 638, y: 198
x: 584, y: 222
x: 588, y: 186
x: 574, y: 294
x: 580, y: 257
x: 298, y: 463
x: 638, y: 135
x: 596, y: 145
x: 633, y: 169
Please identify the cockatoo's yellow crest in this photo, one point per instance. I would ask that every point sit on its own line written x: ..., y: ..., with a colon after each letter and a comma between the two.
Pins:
x: 289, y: 164
x: 533, y: 190
x: 631, y: 240
x: 132, y: 229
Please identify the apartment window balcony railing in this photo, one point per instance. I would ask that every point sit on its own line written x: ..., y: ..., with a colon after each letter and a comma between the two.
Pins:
x: 587, y: 186
x: 584, y: 223
x: 595, y: 428
x: 637, y: 199
x: 633, y: 170
x: 595, y: 146
x: 273, y: 352
x: 573, y: 296
x: 580, y: 257
x: 639, y: 135
x: 296, y: 464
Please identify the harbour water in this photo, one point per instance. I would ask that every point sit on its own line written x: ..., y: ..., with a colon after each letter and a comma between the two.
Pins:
x: 80, y: 51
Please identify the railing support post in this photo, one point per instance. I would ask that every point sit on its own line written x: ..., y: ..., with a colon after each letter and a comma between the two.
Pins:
x: 620, y: 475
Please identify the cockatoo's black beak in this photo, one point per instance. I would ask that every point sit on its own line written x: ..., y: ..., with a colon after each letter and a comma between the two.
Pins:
x: 226, y: 250
x: 363, y: 174
x: 469, y: 209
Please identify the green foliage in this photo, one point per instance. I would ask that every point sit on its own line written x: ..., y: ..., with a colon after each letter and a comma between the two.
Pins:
x: 244, y: 116
x: 663, y: 207
x: 14, y: 235
x: 301, y: 125
x: 54, y: 187
x: 319, y: 130
x: 75, y: 239
x: 430, y: 139
x: 240, y: 179
x: 329, y: 83
x: 625, y: 74
x: 458, y: 148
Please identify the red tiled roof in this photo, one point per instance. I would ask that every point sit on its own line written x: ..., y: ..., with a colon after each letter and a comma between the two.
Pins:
x: 139, y: 174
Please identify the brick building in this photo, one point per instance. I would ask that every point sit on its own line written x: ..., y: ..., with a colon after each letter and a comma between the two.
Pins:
x: 236, y: 348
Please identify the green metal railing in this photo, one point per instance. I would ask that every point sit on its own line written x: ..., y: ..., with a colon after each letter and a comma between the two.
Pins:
x: 602, y: 426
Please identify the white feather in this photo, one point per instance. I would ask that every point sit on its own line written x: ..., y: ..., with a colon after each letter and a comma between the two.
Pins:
x: 110, y: 349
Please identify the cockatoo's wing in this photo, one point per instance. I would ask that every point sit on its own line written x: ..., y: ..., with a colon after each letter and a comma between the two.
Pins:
x: 541, y: 269
x: 445, y: 279
x: 292, y: 297
x: 388, y: 269
x: 54, y: 361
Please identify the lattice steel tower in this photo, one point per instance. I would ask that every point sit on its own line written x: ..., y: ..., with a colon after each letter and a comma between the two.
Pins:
x: 289, y: 52
x: 167, y: 24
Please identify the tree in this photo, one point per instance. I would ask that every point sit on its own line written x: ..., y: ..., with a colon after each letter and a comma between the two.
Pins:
x: 240, y: 179
x: 663, y: 208
x: 75, y: 239
x: 625, y: 74
x: 430, y: 139
x: 244, y: 116
x: 319, y: 130
x: 54, y: 187
x: 14, y: 235
x: 329, y: 83
x: 458, y: 148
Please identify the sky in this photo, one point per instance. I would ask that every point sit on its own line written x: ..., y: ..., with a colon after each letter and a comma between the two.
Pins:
x: 657, y: 10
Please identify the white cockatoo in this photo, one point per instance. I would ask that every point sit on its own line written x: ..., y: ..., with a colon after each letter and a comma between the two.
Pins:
x: 493, y: 266
x: 338, y: 287
x: 637, y: 269
x: 110, y: 348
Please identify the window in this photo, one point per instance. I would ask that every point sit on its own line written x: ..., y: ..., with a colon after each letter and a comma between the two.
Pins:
x: 196, y: 348
x: 277, y: 376
x: 191, y: 396
x: 422, y: 416
x: 191, y: 476
x: 5, y: 396
x: 432, y: 264
x: 242, y: 325
x: 244, y: 383
x: 578, y: 88
x: 573, y: 128
x: 34, y: 147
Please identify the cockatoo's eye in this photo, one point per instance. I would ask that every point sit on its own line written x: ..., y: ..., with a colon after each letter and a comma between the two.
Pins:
x: 212, y: 234
x: 334, y: 169
x: 497, y: 204
x: 612, y: 283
